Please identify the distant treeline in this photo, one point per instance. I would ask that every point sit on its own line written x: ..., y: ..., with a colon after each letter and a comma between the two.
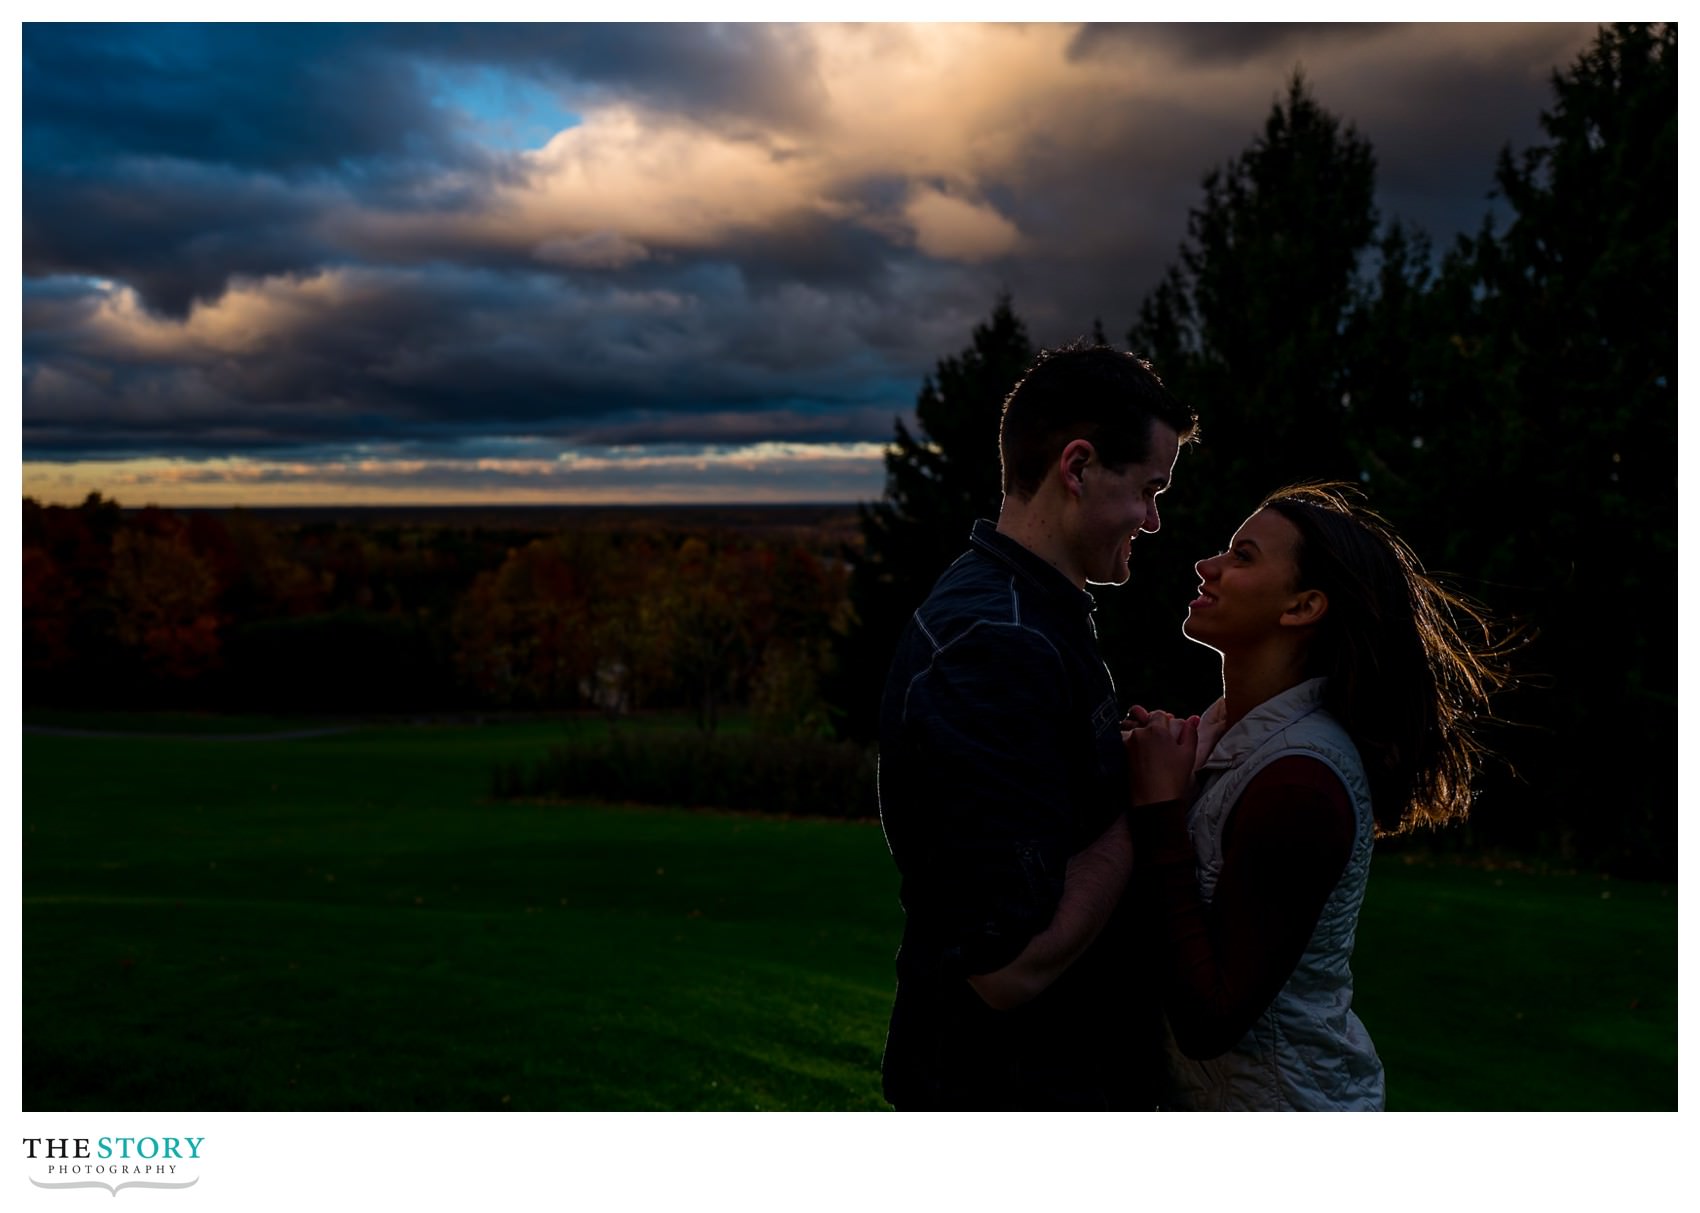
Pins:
x: 401, y: 611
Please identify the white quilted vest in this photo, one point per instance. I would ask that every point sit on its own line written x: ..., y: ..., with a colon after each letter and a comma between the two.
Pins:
x: 1307, y: 1051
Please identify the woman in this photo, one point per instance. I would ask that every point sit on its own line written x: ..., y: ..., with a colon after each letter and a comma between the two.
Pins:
x: 1348, y: 693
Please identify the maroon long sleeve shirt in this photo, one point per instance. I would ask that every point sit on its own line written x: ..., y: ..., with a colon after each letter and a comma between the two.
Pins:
x: 1285, y: 845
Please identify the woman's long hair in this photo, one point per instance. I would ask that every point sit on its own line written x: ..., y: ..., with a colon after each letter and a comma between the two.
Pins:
x: 1410, y: 664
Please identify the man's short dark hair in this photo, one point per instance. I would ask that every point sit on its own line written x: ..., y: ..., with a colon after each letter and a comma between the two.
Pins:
x: 1081, y: 390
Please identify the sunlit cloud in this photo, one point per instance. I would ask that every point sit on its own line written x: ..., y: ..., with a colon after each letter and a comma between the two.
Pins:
x: 958, y: 229
x: 249, y: 318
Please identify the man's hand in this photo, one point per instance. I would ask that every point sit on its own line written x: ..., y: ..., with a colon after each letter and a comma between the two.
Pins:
x: 1162, y: 754
x: 1138, y: 716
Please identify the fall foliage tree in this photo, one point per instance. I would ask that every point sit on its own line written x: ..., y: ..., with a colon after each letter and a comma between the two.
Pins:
x: 164, y: 595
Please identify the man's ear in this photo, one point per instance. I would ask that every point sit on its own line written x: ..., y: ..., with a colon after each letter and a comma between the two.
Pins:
x: 1306, y: 609
x: 1072, y: 464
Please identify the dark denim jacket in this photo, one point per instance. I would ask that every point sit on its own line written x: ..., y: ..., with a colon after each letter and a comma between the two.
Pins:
x: 1001, y: 757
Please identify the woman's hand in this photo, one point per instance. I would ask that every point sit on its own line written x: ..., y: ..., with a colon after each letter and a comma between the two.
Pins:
x: 1162, y: 752
x: 1211, y: 726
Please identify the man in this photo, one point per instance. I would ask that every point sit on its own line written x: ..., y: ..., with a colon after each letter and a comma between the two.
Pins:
x: 1002, y: 777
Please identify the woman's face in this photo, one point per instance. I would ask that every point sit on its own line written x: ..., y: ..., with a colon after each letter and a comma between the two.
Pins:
x: 1244, y: 591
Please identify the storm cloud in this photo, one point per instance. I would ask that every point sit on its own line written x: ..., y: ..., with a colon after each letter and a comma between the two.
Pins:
x: 290, y: 247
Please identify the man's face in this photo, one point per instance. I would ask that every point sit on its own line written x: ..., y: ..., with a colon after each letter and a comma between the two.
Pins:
x: 1116, y: 505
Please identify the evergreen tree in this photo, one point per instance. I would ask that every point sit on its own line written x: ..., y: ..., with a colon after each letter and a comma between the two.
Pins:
x: 938, y: 481
x: 1558, y: 474
x: 1384, y: 348
x: 1249, y: 321
x: 1248, y: 327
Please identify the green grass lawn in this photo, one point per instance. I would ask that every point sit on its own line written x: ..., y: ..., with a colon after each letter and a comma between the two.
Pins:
x: 199, y: 724
x: 348, y: 922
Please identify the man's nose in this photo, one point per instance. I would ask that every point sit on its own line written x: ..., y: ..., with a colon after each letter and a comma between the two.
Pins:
x: 1152, y: 522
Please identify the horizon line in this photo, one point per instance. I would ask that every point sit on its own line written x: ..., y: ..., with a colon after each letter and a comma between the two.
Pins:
x: 684, y: 503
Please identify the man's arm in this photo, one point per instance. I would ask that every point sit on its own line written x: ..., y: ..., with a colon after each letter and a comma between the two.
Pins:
x: 1092, y: 886
x: 992, y: 881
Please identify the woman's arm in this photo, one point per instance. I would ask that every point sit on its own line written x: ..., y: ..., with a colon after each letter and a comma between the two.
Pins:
x: 1287, y: 841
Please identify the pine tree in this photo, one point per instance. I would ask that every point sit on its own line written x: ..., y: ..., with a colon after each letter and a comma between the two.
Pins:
x: 1248, y: 323
x: 1247, y: 327
x: 938, y: 481
x: 1560, y: 472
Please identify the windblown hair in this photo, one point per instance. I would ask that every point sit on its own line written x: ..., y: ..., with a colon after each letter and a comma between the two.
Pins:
x: 1410, y: 663
x: 1081, y: 390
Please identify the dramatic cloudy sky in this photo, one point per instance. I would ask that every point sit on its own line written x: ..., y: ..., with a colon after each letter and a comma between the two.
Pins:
x: 331, y: 263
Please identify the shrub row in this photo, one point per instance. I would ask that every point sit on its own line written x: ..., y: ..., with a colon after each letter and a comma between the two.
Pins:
x: 794, y: 776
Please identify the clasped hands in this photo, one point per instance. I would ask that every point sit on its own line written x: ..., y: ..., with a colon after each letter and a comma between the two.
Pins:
x: 1164, y: 751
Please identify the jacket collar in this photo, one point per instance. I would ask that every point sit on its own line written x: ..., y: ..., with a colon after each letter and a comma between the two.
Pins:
x: 1254, y: 728
x: 1033, y: 569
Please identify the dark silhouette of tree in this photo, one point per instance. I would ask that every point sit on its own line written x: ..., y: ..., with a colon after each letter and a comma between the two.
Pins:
x: 938, y: 481
x: 1559, y: 367
x: 1250, y: 318
x: 1387, y: 352
x: 1248, y: 327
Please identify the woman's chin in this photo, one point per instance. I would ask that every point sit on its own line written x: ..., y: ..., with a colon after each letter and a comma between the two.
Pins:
x: 1197, y: 630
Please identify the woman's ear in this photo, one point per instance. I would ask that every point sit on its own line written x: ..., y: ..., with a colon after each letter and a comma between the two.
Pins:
x: 1306, y: 609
